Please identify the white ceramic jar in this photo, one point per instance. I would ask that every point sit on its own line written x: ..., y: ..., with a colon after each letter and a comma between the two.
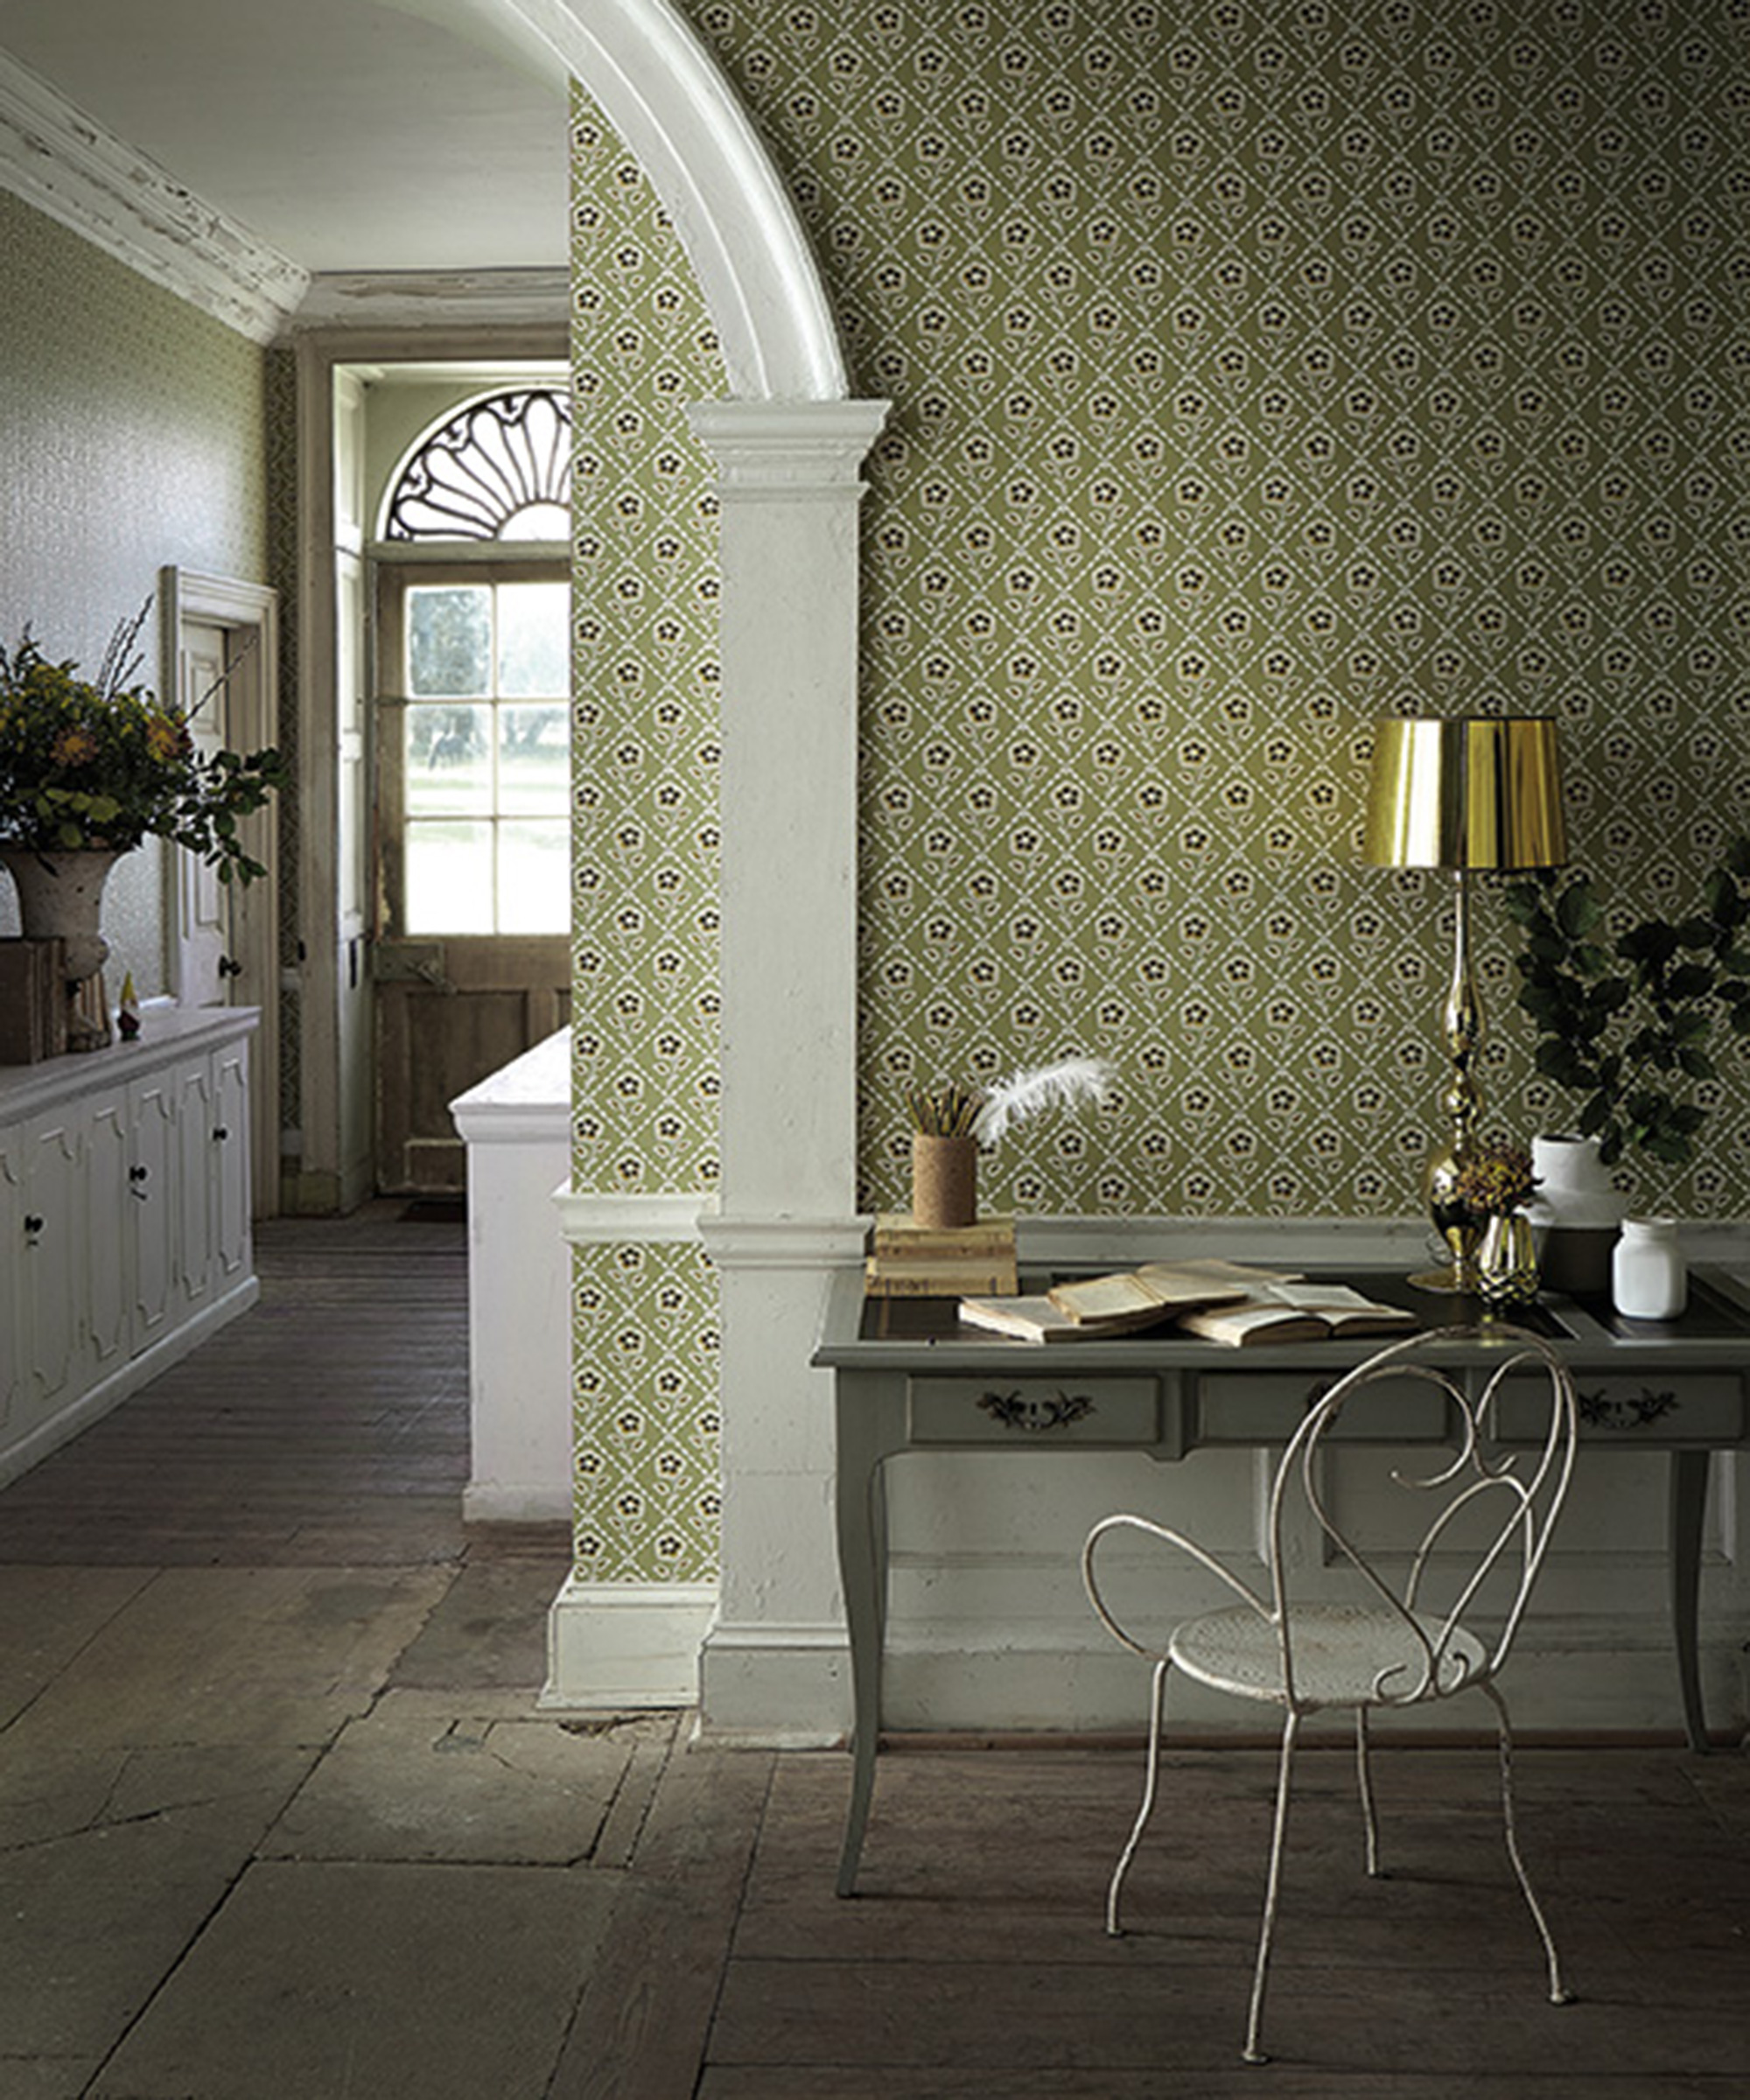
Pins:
x: 1649, y: 1278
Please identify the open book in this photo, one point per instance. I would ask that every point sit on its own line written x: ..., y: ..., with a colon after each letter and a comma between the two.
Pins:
x: 1123, y: 1304
x: 1295, y: 1311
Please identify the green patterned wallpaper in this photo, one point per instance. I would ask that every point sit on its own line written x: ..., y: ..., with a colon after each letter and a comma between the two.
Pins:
x: 1255, y: 370
x: 132, y: 430
x: 644, y: 871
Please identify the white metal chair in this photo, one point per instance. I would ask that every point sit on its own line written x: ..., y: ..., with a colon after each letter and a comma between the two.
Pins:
x: 1492, y: 1513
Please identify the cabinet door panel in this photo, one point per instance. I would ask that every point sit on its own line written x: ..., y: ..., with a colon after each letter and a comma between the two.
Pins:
x: 14, y: 1348
x: 233, y: 1248
x: 195, y: 1122
x: 151, y: 1211
x: 54, y: 1250
x: 109, y: 1290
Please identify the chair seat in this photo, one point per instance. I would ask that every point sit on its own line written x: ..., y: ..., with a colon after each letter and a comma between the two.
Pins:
x: 1344, y: 1655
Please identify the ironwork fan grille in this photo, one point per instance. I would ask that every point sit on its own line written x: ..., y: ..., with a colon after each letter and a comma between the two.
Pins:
x: 498, y: 469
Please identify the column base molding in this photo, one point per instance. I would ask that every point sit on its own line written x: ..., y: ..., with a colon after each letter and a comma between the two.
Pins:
x: 613, y: 1645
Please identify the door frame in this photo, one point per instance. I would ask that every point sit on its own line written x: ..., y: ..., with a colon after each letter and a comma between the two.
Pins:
x: 249, y: 616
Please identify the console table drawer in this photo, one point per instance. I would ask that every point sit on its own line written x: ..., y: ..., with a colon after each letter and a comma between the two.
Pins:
x: 1697, y: 1407
x: 1258, y: 1408
x: 1034, y: 1411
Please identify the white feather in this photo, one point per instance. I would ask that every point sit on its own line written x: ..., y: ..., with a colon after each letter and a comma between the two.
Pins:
x: 1067, y: 1084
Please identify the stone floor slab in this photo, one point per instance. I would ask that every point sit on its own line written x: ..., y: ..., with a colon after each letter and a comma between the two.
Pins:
x: 417, y: 1779
x: 235, y: 1655
x: 46, y: 1616
x: 93, y: 1918
x: 490, y: 1627
x: 359, y: 1980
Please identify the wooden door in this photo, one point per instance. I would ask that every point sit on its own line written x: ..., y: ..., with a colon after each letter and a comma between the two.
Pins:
x: 472, y: 963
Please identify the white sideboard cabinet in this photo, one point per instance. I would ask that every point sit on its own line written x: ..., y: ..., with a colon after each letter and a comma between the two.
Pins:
x: 124, y: 1219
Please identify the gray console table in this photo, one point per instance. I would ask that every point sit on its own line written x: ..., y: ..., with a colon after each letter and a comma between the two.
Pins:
x: 908, y: 1377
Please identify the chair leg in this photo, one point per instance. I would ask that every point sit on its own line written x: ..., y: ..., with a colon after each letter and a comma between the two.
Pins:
x: 1290, y: 1728
x: 1157, y: 1699
x: 1364, y: 1779
x: 1559, y: 1993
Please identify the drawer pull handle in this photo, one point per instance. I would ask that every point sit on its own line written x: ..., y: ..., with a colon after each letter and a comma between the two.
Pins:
x: 1605, y: 1410
x: 1014, y: 1412
x: 33, y: 1226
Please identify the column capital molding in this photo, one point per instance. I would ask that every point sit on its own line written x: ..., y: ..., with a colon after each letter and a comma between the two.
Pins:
x: 751, y: 1242
x: 787, y: 448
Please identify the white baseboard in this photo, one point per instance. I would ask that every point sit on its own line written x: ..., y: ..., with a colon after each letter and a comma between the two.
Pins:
x: 614, y: 1645
x: 790, y: 1687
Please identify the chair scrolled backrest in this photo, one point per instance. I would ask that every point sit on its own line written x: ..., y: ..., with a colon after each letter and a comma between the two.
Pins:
x: 1493, y: 1500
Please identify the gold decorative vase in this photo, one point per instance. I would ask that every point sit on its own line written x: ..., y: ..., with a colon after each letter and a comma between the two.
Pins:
x: 1506, y: 1262
x: 944, y: 1180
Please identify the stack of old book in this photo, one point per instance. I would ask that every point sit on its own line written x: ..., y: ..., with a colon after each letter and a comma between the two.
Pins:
x: 948, y: 1261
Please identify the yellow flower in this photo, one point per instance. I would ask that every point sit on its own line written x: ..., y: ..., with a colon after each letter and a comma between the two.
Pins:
x: 164, y: 737
x: 74, y: 746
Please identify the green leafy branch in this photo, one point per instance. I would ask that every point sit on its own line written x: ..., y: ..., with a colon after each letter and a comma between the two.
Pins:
x: 1628, y: 1023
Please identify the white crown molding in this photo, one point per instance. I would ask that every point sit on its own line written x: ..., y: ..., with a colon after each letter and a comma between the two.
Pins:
x: 435, y: 299
x: 79, y: 174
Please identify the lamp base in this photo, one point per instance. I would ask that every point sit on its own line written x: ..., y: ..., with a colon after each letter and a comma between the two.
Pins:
x: 1452, y: 1280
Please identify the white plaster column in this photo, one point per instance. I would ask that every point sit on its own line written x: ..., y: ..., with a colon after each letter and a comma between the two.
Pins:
x: 789, y: 482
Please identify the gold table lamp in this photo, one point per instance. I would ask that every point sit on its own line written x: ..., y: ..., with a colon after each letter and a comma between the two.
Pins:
x: 1476, y: 791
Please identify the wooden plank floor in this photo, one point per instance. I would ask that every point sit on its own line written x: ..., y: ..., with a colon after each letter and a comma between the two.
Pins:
x: 973, y: 1964
x: 329, y: 1425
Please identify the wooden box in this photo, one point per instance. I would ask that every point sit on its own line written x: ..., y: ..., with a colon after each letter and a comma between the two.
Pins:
x: 33, y: 1002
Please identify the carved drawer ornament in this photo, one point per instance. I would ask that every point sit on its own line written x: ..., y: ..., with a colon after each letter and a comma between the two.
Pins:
x: 1608, y: 1410
x: 1015, y: 1410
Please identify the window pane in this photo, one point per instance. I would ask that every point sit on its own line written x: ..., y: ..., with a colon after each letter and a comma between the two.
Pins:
x: 532, y: 865
x: 533, y: 760
x: 449, y: 638
x: 533, y: 623
x: 450, y: 878
x: 448, y: 760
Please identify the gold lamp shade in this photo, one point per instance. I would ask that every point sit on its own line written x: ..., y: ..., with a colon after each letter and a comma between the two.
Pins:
x: 1479, y: 791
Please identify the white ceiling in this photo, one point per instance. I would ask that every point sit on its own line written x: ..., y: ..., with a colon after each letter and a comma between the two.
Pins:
x: 353, y: 136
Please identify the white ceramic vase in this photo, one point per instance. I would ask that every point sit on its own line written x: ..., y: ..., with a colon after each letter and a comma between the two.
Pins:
x: 60, y: 897
x: 1575, y: 1215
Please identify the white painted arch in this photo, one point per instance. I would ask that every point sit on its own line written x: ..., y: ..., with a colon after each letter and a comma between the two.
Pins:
x: 665, y: 94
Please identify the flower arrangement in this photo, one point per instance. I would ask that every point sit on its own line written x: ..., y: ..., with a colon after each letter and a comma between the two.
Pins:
x: 1495, y: 1180
x: 100, y: 764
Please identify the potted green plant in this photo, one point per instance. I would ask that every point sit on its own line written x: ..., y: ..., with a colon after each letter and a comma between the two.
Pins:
x: 1628, y: 1022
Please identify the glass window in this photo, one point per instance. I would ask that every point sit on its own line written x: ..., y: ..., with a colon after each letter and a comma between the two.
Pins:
x: 484, y: 759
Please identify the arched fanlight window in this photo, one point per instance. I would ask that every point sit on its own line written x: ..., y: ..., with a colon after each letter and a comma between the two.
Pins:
x: 498, y: 469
